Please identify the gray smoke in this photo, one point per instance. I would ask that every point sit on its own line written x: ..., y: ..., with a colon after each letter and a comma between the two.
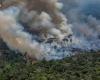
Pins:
x: 84, y: 15
x: 43, y: 17
x: 14, y: 35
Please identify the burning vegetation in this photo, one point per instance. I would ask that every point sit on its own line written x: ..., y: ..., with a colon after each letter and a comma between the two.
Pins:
x: 40, y: 29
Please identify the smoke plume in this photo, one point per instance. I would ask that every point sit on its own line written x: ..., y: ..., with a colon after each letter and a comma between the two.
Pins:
x: 42, y: 17
x: 16, y: 38
x: 40, y: 29
x: 84, y: 16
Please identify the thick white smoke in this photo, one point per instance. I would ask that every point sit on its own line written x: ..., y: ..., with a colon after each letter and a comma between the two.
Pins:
x: 45, y: 22
x: 42, y: 17
x: 15, y: 37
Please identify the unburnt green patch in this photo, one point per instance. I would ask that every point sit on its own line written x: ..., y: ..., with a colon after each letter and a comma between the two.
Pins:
x: 85, y: 66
